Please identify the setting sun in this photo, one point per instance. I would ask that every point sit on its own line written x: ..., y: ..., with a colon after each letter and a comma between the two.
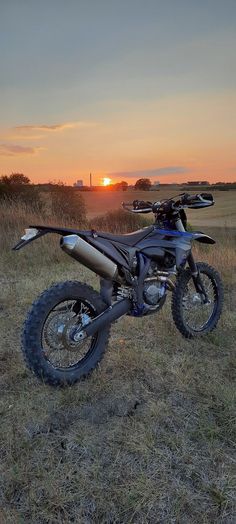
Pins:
x: 106, y: 181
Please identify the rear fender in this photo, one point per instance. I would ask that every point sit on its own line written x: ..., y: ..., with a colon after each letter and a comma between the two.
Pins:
x: 30, y: 235
x: 34, y: 232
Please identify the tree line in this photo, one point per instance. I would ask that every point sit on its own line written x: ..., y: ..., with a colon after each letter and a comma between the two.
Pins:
x: 62, y: 200
x: 15, y: 185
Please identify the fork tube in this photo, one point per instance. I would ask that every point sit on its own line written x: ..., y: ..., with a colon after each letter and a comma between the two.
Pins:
x: 179, y: 225
x: 197, y: 277
x: 192, y: 264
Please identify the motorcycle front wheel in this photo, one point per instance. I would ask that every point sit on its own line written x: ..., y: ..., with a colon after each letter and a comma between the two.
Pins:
x: 192, y: 316
x: 48, y: 345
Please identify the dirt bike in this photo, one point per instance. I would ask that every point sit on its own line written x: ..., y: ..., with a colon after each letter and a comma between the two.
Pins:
x: 67, y: 329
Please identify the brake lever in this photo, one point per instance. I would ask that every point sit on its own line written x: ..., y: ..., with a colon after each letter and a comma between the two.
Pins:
x: 125, y: 206
x: 144, y: 210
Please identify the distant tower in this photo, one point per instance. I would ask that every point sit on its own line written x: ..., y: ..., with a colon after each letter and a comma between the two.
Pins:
x: 90, y: 179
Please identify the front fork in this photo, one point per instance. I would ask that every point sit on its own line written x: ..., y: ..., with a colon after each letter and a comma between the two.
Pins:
x: 193, y: 268
x: 197, y: 279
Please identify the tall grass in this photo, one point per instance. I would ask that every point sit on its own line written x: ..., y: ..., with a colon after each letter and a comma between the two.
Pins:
x: 16, y: 216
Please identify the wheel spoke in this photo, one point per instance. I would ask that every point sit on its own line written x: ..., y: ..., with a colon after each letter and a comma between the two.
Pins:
x: 197, y: 314
x: 57, y: 336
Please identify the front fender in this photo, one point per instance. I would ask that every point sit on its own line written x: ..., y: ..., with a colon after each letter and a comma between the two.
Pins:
x: 201, y: 237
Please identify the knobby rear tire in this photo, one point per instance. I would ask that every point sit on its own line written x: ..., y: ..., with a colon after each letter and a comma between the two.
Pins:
x: 32, y: 334
x: 177, y: 299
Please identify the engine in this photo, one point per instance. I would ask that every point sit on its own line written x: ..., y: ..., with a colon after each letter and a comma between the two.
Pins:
x: 153, y: 292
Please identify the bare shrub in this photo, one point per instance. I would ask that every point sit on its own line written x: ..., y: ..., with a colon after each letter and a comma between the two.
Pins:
x: 69, y: 204
x: 119, y: 221
x: 16, y: 188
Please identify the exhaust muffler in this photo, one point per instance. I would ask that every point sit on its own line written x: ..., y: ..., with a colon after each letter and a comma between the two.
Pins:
x: 89, y: 256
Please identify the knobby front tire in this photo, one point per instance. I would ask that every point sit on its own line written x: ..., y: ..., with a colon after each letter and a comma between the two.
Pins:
x: 185, y: 297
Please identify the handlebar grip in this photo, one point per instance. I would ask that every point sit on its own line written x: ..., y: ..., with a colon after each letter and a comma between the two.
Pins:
x: 187, y: 199
x: 141, y: 204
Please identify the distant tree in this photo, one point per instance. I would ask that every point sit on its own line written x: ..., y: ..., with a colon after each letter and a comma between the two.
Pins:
x: 17, y: 188
x: 119, y: 186
x: 144, y: 184
x: 15, y: 179
x: 123, y: 185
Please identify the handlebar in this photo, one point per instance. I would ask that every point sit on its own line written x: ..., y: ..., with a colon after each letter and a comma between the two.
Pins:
x: 138, y: 206
x: 186, y: 200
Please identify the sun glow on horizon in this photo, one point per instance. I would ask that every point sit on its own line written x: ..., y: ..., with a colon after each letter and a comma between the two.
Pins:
x: 106, y: 181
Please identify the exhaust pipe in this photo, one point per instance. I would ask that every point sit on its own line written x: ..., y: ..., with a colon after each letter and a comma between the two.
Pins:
x: 89, y: 256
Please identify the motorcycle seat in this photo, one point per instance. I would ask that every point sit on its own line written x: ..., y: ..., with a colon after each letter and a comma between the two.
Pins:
x: 129, y: 239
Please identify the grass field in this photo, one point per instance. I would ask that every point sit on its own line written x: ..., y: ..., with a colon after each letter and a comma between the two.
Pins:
x: 151, y: 436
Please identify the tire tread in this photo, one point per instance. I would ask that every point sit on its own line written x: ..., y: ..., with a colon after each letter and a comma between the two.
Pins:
x: 32, y: 325
x: 177, y: 296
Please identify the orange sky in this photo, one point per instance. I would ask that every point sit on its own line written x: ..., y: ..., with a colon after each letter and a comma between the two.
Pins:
x: 118, y: 89
x: 192, y: 137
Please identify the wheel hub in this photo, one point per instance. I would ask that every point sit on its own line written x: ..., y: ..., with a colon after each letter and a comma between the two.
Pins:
x: 196, y: 299
x: 64, y: 331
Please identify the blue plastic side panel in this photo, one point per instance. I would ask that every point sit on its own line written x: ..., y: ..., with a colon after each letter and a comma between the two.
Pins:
x: 177, y: 243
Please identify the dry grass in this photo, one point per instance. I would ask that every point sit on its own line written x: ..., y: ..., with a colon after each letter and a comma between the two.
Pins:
x: 149, y: 438
x: 119, y: 221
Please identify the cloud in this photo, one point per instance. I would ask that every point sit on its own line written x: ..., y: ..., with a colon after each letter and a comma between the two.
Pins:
x: 14, y: 150
x: 22, y: 136
x: 157, y: 172
x: 53, y: 127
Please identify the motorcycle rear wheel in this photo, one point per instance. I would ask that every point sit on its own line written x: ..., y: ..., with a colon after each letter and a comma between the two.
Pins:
x: 47, y: 340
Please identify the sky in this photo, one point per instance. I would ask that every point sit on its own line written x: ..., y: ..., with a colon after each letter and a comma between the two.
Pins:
x: 118, y: 89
